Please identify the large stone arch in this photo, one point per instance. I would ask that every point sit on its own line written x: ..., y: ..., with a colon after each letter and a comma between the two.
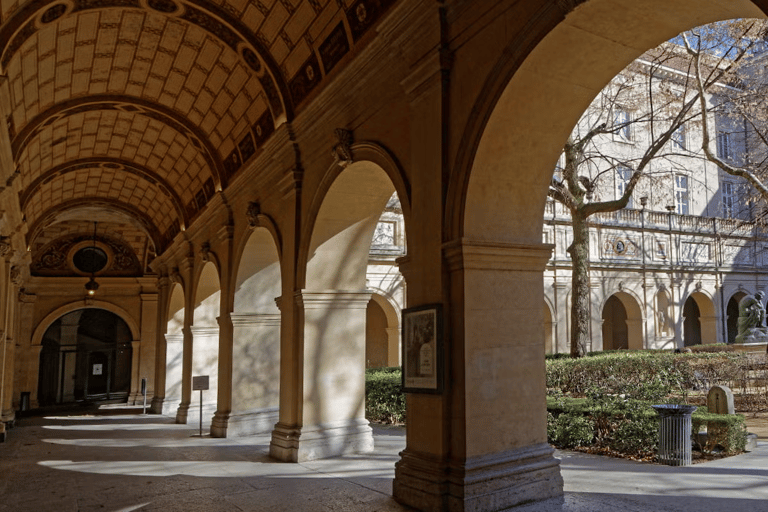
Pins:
x: 174, y: 339
x: 256, y: 333
x: 325, y: 396
x: 42, y: 326
x: 633, y: 319
x: 205, y: 338
x: 699, y: 319
x: 505, y: 153
x: 50, y: 318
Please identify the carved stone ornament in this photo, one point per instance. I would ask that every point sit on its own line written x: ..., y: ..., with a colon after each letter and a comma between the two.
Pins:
x: 5, y: 246
x: 621, y: 285
x: 698, y: 286
x: 342, y: 152
x: 175, y: 276
x: 16, y: 277
x: 252, y: 214
x: 205, y: 252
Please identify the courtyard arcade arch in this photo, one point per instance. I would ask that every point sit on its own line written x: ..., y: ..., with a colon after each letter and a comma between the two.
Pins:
x: 532, y: 96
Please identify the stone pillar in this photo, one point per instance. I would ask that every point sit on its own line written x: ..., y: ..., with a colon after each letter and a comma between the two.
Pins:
x: 224, y: 386
x: 135, y: 396
x: 27, y: 355
x: 144, y: 366
x: 709, y: 331
x: 161, y: 347
x: 172, y: 375
x: 393, y: 346
x: 332, y: 380
x: 8, y: 411
x: 256, y: 369
x: 186, y: 363
x: 495, y: 455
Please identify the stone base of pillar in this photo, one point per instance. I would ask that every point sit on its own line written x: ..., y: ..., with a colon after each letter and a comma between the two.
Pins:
x: 219, y: 424
x: 252, y: 422
x: 181, y: 413
x: 135, y: 399
x: 156, y: 406
x: 8, y: 417
x: 299, y: 444
x: 492, y: 482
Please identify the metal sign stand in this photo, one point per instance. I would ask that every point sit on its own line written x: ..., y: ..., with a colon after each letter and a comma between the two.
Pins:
x: 201, y: 383
x: 144, y: 392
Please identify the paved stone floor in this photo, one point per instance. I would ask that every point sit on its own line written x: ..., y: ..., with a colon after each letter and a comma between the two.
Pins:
x: 116, y: 460
x: 123, y: 461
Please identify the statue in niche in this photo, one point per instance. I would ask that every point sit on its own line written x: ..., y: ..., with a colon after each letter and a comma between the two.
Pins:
x: 751, y: 323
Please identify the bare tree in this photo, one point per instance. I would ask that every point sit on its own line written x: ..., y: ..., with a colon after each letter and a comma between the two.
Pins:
x: 648, y: 104
x: 742, y: 45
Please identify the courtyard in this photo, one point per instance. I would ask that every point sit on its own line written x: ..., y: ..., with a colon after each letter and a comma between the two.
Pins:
x: 119, y: 460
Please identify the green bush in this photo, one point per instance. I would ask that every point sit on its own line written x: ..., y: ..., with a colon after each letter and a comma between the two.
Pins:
x: 725, y: 431
x: 618, y: 371
x: 569, y: 430
x: 384, y: 398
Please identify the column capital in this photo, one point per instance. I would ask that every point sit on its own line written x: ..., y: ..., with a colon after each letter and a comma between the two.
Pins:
x: 333, y: 299
x: 467, y: 254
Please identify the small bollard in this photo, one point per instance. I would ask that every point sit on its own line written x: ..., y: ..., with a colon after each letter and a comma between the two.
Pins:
x: 675, y: 434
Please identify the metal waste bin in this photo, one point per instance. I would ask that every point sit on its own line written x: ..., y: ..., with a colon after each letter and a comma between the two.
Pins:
x: 675, y: 434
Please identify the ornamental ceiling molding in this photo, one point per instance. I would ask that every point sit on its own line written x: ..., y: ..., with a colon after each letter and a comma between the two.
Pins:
x: 128, y: 105
x: 56, y: 258
x: 116, y: 164
x: 48, y: 217
x: 220, y: 23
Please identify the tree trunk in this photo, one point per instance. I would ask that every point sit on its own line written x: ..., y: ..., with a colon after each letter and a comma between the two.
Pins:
x: 580, y: 306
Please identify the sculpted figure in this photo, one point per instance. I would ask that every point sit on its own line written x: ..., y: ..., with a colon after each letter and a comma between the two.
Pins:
x: 751, y: 318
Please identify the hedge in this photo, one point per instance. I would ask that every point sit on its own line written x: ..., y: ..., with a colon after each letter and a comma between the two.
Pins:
x: 384, y: 397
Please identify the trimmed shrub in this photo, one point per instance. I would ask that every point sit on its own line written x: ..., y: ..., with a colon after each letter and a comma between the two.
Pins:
x: 569, y: 430
x: 384, y: 398
x: 725, y: 431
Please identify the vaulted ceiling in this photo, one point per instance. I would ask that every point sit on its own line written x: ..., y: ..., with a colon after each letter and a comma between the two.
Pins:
x: 136, y: 112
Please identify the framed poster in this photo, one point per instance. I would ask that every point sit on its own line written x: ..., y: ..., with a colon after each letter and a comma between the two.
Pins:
x: 422, y: 347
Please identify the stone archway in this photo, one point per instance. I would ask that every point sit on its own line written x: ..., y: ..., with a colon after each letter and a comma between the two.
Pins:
x: 622, y: 323
x: 330, y: 389
x: 256, y: 337
x: 86, y: 356
x: 529, y: 103
x: 699, y: 322
x: 382, y: 333
x: 205, y: 341
x: 174, y: 359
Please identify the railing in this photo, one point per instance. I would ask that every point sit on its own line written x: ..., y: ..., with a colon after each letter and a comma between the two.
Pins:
x: 664, y: 221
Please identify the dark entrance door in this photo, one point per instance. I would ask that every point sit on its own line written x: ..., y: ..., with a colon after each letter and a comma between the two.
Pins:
x: 86, y: 355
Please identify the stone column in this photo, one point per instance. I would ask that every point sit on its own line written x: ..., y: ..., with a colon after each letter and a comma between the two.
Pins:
x: 224, y: 387
x: 144, y: 365
x: 27, y: 355
x: 495, y: 454
x: 332, y: 380
x: 186, y: 364
x: 9, y: 336
x: 135, y: 396
x: 161, y: 347
x: 256, y: 369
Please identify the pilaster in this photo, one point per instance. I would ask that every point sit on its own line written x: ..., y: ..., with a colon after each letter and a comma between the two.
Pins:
x: 496, y: 457
x: 331, y: 381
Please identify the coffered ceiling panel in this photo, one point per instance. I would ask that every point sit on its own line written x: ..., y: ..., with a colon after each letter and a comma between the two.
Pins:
x: 140, y: 111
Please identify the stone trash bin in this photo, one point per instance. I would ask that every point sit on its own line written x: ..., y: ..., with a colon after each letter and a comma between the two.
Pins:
x: 675, y: 434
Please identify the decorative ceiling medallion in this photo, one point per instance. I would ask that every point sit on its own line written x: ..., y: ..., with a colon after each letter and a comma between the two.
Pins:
x: 78, y: 255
